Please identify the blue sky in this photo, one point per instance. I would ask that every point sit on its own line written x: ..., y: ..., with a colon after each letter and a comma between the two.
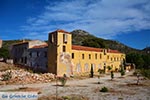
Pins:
x: 127, y: 21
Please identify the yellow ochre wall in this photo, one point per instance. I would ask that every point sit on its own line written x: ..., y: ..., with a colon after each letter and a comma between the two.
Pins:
x: 98, y: 63
x: 60, y: 62
x: 64, y: 58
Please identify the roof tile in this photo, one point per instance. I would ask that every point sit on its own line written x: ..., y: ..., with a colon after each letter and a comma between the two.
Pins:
x: 84, y: 48
x: 40, y: 46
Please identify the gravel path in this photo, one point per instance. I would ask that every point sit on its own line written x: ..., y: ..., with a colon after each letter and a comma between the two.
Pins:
x: 120, y: 88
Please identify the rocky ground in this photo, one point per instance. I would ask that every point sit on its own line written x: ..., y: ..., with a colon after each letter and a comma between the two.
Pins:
x: 120, y: 88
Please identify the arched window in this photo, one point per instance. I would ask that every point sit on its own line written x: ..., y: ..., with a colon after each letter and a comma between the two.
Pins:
x: 78, y: 68
x: 99, y: 66
x: 86, y: 67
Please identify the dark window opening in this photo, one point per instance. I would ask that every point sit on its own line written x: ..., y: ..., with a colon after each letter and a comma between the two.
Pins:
x: 100, y: 56
x: 95, y: 56
x: 45, y: 54
x: 30, y: 54
x: 72, y: 55
x: 21, y: 59
x: 107, y: 57
x: 82, y: 56
x: 37, y: 54
x: 89, y: 56
x: 64, y: 48
x: 46, y: 66
x: 114, y: 58
x: 65, y: 37
x: 25, y: 60
x: 111, y: 59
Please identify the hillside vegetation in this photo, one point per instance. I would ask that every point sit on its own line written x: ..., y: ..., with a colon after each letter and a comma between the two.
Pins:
x: 84, y: 38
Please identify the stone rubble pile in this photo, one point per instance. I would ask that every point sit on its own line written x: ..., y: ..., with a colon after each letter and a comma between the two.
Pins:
x: 25, y: 77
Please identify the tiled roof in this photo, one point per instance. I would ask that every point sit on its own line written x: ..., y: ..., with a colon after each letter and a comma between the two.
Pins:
x: 113, y: 51
x: 84, y: 48
x: 60, y: 30
x: 20, y: 43
x: 40, y: 46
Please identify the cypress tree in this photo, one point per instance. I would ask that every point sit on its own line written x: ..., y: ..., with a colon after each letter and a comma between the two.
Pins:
x: 92, y: 71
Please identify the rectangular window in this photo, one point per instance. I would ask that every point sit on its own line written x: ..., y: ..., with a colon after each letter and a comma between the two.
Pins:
x: 111, y: 59
x: 100, y: 56
x: 30, y: 54
x: 72, y: 55
x: 89, y: 56
x: 64, y: 48
x: 65, y: 37
x: 21, y: 59
x: 105, y: 51
x: 107, y: 57
x: 46, y: 66
x: 37, y: 54
x: 95, y: 56
x: 52, y: 38
x: 114, y: 58
x: 25, y: 60
x: 45, y: 54
x: 31, y: 64
x: 82, y: 56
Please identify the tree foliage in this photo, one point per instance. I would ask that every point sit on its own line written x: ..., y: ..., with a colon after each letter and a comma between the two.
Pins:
x: 146, y: 59
x: 94, y: 42
x: 92, y: 72
x: 140, y: 60
x: 4, y: 53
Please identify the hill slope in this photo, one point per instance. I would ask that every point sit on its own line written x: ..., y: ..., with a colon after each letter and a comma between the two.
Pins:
x: 80, y: 37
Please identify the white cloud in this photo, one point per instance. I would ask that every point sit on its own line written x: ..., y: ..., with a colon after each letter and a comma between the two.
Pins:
x: 104, y: 18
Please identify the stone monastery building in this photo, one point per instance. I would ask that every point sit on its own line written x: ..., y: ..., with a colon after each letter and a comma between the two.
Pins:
x: 60, y: 57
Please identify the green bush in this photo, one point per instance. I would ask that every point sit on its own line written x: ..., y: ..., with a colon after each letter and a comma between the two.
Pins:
x: 63, y: 80
x: 109, y: 68
x: 4, y: 53
x: 145, y: 73
x: 104, y: 89
x: 136, y: 72
x: 112, y: 75
x: 7, y: 76
x: 101, y: 71
x: 122, y: 71
x: 92, y: 72
x: 104, y: 69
